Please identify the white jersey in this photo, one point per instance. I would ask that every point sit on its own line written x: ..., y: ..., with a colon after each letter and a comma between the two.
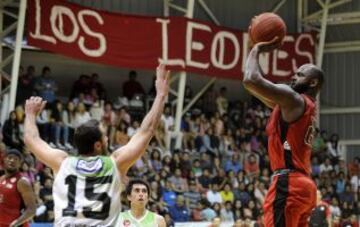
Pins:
x: 86, y: 192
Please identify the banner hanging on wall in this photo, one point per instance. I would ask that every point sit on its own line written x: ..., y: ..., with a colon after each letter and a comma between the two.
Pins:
x: 141, y: 42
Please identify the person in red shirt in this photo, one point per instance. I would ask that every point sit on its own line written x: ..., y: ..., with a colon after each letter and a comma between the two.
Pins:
x: 292, y: 193
x: 17, y: 198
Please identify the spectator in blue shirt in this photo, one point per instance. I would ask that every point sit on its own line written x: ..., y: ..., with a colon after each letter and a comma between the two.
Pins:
x: 46, y: 86
x: 168, y: 194
x: 179, y: 212
x: 234, y: 164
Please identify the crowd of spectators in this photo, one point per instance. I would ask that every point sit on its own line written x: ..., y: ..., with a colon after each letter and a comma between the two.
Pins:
x: 221, y: 168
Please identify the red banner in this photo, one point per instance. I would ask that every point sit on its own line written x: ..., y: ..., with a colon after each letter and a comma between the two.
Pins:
x: 143, y: 42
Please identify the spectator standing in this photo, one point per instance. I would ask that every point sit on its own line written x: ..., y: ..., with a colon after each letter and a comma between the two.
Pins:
x: 46, y: 86
x: 25, y: 85
x: 221, y: 101
x: 132, y: 86
x: 11, y: 132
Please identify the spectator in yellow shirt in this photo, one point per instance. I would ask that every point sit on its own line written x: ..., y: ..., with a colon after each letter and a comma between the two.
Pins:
x: 227, y: 194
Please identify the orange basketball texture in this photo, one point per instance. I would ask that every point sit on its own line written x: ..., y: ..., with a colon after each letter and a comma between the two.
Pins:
x: 265, y: 27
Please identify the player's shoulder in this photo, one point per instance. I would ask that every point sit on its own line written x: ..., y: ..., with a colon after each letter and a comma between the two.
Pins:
x: 160, y: 220
x: 23, y: 183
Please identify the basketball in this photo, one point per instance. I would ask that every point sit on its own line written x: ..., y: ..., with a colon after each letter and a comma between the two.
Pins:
x: 265, y: 27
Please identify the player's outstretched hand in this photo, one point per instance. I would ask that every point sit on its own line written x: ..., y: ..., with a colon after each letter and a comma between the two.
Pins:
x: 162, y: 80
x: 269, y: 46
x: 34, y: 105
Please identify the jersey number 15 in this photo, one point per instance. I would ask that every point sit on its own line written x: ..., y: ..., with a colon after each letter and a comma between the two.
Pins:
x: 90, y: 182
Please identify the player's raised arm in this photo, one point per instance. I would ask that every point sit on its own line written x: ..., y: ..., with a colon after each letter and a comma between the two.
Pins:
x: 290, y: 102
x: 127, y: 155
x: 49, y: 156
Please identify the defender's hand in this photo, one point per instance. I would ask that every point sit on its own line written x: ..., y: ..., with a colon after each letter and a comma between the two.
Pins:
x: 162, y: 80
x: 34, y: 105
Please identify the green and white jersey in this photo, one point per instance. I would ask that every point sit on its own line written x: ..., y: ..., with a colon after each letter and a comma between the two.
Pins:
x: 126, y: 219
x: 86, y: 192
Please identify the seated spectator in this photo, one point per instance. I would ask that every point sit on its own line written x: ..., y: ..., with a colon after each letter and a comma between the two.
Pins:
x: 108, y: 122
x: 196, y: 169
x: 46, y: 196
x: 205, y: 161
x: 205, y: 179
x: 81, y: 115
x: 220, y: 178
x: 180, y: 183
x: 207, y: 213
x: 192, y: 196
x: 341, y: 166
x: 226, y: 212
x: 155, y: 160
x: 347, y: 195
x: 355, y: 185
x: 97, y: 109
x: 354, y: 166
x: 242, y: 194
x: 340, y: 183
x: 59, y: 128
x: 227, y: 195
x: 213, y: 195
x: 168, y: 194
x: 260, y: 192
x: 326, y: 166
x: 315, y: 167
x: 132, y: 129
x: 217, y: 208
x: 334, y: 207
x: 179, y: 211
x: 251, y: 165
x: 121, y: 137
x: 234, y: 164
x: 28, y: 172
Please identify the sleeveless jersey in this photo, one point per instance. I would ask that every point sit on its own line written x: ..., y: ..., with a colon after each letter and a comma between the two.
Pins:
x: 126, y: 219
x: 11, y: 203
x: 86, y: 192
x: 290, y: 144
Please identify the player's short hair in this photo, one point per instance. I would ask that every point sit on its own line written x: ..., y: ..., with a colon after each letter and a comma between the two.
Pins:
x: 86, y: 135
x: 316, y: 72
x: 131, y: 183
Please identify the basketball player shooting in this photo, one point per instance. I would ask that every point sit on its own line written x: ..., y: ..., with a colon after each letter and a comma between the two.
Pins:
x: 292, y: 193
x: 86, y: 187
